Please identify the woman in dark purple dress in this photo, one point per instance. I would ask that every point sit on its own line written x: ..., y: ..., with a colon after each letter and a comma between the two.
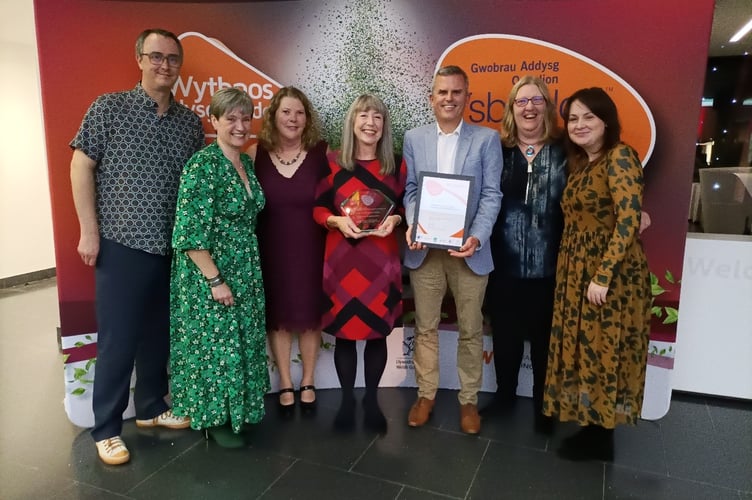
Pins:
x: 290, y: 158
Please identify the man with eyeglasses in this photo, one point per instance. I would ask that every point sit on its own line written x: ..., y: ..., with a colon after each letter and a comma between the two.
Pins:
x: 128, y: 155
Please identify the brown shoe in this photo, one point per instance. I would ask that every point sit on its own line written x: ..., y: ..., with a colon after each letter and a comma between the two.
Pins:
x: 420, y: 412
x: 469, y: 419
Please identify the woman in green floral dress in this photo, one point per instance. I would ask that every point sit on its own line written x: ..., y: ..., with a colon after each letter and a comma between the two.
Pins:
x: 218, y: 335
x: 600, y: 329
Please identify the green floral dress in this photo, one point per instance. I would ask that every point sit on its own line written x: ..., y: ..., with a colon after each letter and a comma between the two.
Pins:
x: 598, y: 355
x: 217, y: 353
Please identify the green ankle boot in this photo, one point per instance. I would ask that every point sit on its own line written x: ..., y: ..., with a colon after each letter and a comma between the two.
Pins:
x: 225, y: 437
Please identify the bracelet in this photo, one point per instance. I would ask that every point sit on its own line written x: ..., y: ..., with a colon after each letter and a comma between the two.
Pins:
x: 215, y: 281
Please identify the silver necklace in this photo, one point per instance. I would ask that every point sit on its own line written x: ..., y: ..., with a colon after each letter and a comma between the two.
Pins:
x: 529, y: 153
x: 530, y: 150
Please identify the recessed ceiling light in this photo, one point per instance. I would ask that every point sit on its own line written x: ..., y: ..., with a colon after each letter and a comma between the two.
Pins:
x: 740, y: 34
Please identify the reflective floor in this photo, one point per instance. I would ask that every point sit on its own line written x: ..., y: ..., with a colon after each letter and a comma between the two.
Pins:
x: 701, y: 450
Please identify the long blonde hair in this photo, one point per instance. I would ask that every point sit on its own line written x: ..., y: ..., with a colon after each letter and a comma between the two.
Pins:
x: 384, y: 148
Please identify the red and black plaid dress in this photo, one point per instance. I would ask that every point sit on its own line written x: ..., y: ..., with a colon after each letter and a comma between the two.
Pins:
x: 362, y: 277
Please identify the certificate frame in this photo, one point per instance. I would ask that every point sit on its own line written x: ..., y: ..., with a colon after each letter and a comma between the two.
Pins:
x: 442, y: 219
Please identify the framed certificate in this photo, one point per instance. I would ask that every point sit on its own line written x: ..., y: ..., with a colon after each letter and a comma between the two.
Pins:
x: 367, y: 208
x: 441, y: 216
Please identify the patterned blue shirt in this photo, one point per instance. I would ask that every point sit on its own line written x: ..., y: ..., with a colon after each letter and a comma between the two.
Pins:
x: 140, y: 156
x: 526, y: 236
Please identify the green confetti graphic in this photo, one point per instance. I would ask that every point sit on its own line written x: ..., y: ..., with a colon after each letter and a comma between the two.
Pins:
x: 365, y: 47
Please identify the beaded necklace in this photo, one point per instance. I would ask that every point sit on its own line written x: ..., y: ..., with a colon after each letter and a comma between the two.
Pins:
x: 291, y: 162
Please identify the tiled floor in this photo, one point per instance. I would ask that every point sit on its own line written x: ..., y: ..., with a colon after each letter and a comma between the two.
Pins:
x: 701, y: 450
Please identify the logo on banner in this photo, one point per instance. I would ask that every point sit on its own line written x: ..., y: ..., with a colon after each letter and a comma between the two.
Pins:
x: 494, y: 63
x: 408, y: 346
x: 210, y: 66
x: 405, y: 362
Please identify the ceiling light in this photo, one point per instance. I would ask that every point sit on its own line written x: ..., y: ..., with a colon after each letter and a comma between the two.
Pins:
x: 740, y: 34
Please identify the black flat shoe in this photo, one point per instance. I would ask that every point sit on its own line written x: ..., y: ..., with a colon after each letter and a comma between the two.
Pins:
x: 344, y: 421
x: 590, y: 443
x: 307, y: 405
x: 544, y: 424
x: 374, y: 418
x: 285, y: 391
x: 498, y: 406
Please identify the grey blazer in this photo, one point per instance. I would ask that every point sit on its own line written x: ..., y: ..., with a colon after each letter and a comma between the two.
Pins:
x: 478, y: 155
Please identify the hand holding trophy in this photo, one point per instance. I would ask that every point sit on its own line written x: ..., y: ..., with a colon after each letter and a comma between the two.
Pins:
x: 367, y: 208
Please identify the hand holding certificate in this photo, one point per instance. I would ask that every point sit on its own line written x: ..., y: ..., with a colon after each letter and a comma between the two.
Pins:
x: 441, y: 216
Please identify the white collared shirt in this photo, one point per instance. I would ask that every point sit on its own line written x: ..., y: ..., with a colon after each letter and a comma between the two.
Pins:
x: 446, y: 149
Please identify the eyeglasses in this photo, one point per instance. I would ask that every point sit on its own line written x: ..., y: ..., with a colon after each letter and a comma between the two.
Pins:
x: 157, y: 58
x: 537, y: 100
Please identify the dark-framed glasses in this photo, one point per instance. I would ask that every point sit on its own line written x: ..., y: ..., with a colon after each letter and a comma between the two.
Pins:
x: 157, y: 58
x: 537, y: 100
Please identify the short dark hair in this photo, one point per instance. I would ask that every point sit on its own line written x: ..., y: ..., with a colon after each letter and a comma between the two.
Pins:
x: 156, y: 31
x: 451, y: 71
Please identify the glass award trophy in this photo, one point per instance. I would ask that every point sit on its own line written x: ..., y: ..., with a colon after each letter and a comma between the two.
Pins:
x: 367, y: 208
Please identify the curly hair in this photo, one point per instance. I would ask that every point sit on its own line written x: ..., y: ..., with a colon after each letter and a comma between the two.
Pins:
x: 269, y: 135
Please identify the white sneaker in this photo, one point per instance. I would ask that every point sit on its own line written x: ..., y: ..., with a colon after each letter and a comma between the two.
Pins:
x: 166, y: 419
x: 112, y: 451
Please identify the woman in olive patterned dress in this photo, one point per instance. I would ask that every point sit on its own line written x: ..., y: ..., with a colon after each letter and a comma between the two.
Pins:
x: 218, y: 334
x: 600, y: 330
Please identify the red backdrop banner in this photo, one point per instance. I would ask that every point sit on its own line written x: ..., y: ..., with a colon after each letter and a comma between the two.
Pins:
x: 335, y: 49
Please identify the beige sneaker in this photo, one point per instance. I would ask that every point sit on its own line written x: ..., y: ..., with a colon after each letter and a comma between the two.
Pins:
x: 166, y: 419
x: 112, y: 451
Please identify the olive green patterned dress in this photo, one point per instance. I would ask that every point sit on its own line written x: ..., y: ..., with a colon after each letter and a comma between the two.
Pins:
x: 217, y: 353
x: 598, y: 355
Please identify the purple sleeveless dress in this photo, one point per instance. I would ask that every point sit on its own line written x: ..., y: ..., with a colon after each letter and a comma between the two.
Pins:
x: 291, y: 243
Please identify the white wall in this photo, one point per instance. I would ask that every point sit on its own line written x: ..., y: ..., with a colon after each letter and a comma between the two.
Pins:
x: 26, y: 242
x: 714, y: 333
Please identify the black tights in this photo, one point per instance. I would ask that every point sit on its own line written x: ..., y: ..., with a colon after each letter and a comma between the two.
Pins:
x: 346, y: 363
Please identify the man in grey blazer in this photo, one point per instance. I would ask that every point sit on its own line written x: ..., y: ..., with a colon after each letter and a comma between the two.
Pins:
x: 452, y: 146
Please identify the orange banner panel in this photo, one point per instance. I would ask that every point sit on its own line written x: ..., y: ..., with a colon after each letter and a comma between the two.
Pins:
x: 495, y: 63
